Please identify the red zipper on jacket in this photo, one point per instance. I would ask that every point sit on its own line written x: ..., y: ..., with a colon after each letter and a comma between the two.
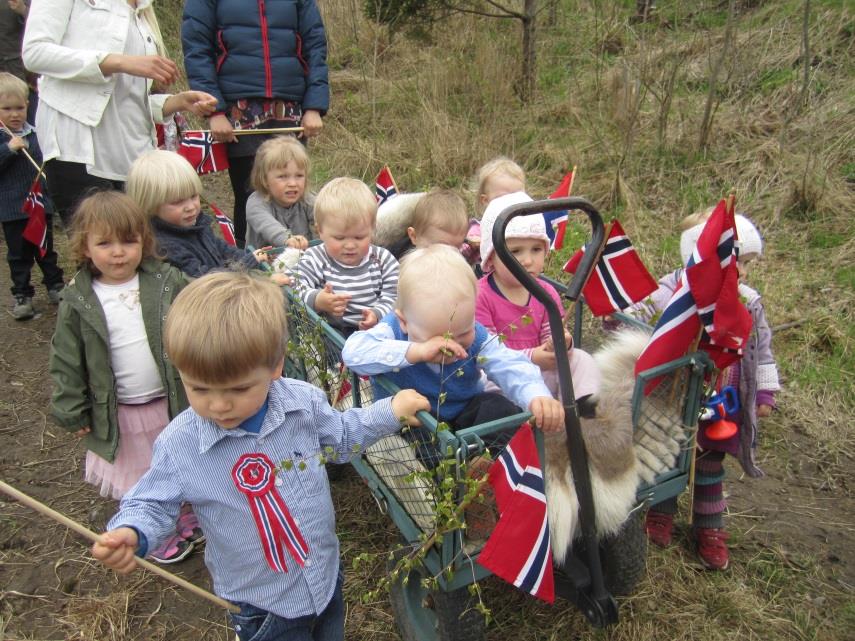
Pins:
x: 265, y: 47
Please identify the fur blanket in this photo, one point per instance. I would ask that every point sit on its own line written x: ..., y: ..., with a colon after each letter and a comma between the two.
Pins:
x: 393, y: 218
x: 618, y: 458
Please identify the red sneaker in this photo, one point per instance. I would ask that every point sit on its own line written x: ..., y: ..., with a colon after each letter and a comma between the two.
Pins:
x: 658, y: 526
x: 712, y: 547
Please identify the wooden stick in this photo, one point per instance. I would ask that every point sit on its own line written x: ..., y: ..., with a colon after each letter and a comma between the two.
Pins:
x: 24, y: 150
x: 43, y: 509
x: 600, y: 250
x: 251, y: 132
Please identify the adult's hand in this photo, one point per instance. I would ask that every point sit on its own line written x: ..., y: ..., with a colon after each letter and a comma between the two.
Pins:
x: 157, y: 68
x: 196, y: 102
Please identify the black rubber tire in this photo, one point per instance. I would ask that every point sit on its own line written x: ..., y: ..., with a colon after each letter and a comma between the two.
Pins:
x: 434, y: 615
x: 624, y: 556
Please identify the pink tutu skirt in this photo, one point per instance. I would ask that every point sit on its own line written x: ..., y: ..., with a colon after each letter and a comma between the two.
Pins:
x: 139, y: 426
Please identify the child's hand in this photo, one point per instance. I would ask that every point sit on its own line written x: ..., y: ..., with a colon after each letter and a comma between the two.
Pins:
x: 283, y: 280
x: 17, y: 143
x: 548, y: 413
x: 544, y: 356
x: 369, y: 319
x: 83, y: 431
x: 763, y: 411
x: 298, y: 242
x: 221, y: 129
x: 331, y: 303
x: 116, y: 549
x: 438, y: 350
x: 406, y: 403
x: 261, y: 256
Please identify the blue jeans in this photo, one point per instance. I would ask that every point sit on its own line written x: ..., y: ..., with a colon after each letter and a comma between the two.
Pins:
x: 255, y: 624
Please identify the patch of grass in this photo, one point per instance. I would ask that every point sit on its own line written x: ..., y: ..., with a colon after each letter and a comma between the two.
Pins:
x: 845, y: 277
x: 826, y: 239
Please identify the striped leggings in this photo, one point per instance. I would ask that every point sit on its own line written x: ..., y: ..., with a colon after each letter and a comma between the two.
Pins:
x: 709, y: 502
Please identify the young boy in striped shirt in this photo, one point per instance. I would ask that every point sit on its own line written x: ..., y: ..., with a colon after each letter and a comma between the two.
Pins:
x: 248, y: 456
x: 347, y: 279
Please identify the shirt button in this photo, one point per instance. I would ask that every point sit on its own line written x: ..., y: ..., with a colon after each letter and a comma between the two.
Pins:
x: 278, y: 482
x: 261, y: 439
x: 308, y: 562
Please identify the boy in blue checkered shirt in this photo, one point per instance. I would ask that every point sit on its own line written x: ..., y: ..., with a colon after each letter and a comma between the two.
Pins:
x: 247, y: 455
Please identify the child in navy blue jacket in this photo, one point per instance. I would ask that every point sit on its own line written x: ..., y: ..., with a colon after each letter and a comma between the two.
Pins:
x: 17, y: 174
x: 266, y: 63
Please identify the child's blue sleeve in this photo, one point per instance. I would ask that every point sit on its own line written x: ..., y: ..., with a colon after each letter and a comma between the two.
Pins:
x: 375, y: 351
x: 519, y: 378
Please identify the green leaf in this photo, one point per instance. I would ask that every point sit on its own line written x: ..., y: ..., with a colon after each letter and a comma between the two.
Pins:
x: 302, y: 466
x: 287, y: 465
x: 526, y: 319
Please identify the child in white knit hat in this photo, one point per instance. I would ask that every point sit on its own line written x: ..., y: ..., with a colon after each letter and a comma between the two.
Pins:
x: 756, y: 379
x: 505, y: 307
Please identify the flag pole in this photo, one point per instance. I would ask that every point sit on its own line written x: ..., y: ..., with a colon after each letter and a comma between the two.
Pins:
x: 86, y: 533
x: 24, y: 150
x: 251, y: 132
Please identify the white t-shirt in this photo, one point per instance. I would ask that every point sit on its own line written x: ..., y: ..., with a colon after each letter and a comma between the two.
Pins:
x: 124, y: 132
x: 137, y: 378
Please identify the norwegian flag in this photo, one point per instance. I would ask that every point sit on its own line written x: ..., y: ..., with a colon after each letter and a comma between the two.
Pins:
x: 705, y: 299
x: 227, y: 228
x: 556, y: 221
x: 385, y: 185
x: 34, y: 206
x: 201, y: 151
x: 518, y: 550
x: 619, y: 278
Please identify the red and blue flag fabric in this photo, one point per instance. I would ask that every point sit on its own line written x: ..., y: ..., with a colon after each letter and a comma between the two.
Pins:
x: 227, y: 228
x: 254, y: 475
x: 556, y: 221
x: 518, y: 550
x: 705, y: 299
x: 619, y: 278
x: 203, y: 152
x: 385, y: 185
x: 35, y: 231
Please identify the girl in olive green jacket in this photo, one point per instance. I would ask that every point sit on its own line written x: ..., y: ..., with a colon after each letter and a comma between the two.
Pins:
x: 113, y: 385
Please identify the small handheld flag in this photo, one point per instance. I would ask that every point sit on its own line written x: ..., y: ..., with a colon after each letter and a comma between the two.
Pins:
x: 34, y: 206
x: 556, y: 221
x: 227, y: 228
x: 385, y: 185
x: 619, y: 278
x: 201, y: 151
x: 518, y: 550
x: 705, y: 299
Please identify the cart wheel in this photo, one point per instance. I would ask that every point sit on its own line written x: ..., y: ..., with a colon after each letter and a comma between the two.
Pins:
x: 624, y: 556
x: 434, y: 615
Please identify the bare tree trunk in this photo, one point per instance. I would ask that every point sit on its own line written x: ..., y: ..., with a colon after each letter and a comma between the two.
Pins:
x: 806, y: 52
x: 706, y: 122
x: 553, y: 13
x: 529, y: 51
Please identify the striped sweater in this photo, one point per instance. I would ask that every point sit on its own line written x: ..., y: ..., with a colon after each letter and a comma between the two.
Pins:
x: 372, y: 285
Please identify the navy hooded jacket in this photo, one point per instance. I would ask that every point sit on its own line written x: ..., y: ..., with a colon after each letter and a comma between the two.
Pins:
x: 236, y: 49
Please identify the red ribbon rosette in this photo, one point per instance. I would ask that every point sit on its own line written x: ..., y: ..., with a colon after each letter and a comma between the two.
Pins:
x: 255, y: 475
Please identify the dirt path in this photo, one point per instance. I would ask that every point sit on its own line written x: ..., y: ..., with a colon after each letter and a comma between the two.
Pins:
x: 50, y: 589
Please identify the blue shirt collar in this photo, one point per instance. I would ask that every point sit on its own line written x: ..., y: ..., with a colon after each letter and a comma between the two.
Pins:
x: 279, y: 404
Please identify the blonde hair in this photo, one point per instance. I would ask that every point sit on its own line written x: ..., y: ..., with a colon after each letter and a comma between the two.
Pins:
x: 696, y: 219
x: 425, y: 269
x: 154, y: 26
x: 442, y: 209
x: 159, y: 177
x: 225, y: 324
x: 348, y: 200
x: 11, y: 85
x: 275, y: 154
x: 499, y: 165
x: 110, y: 214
